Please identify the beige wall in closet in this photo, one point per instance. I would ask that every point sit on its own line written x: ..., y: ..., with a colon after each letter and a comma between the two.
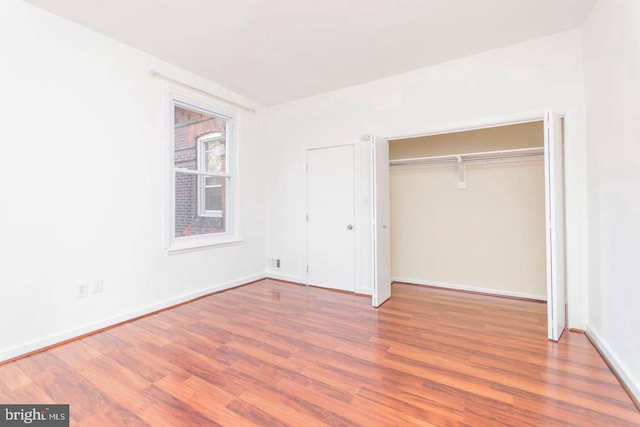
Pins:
x: 489, y: 236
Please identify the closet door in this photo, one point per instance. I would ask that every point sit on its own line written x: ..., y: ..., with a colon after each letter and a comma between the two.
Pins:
x: 554, y: 189
x: 381, y: 222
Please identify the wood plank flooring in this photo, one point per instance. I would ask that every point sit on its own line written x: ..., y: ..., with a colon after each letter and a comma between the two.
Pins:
x: 278, y: 354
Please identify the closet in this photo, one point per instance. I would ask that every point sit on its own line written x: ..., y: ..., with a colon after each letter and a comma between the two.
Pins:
x: 468, y: 210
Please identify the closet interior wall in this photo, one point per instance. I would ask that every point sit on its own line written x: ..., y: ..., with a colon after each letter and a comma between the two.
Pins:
x: 489, y: 236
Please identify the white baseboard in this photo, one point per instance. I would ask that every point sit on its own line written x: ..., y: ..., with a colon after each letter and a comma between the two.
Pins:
x: 470, y: 288
x: 620, y: 368
x: 105, y: 323
x: 285, y: 277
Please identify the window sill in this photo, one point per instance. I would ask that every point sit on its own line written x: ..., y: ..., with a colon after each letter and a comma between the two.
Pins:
x: 190, y: 244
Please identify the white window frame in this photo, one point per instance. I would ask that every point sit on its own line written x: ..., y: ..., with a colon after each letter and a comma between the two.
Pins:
x: 181, y: 97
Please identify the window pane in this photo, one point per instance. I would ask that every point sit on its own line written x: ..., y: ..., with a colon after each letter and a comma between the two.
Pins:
x: 191, y: 126
x: 192, y: 219
x: 213, y: 194
x: 214, y: 152
x: 213, y: 199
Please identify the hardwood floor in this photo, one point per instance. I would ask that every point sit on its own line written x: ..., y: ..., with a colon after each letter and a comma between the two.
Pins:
x: 273, y: 354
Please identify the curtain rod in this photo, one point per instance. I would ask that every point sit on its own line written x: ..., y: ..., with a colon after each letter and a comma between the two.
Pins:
x: 158, y: 74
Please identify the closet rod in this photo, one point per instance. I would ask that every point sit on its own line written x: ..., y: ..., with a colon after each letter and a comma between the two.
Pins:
x: 515, y: 153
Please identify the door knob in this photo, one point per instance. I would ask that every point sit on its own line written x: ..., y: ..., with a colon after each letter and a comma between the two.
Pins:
x: 349, y: 227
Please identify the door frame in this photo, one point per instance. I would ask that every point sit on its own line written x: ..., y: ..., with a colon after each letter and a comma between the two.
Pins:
x: 574, y: 189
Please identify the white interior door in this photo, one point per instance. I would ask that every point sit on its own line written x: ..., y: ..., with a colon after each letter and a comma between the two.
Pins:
x: 330, y: 218
x: 554, y: 189
x: 381, y: 222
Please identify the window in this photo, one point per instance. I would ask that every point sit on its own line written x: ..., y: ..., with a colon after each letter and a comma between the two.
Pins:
x: 202, y: 175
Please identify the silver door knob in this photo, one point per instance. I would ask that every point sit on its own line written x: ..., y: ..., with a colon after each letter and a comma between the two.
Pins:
x: 349, y: 227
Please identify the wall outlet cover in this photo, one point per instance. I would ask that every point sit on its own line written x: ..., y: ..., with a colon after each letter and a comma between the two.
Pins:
x: 83, y: 290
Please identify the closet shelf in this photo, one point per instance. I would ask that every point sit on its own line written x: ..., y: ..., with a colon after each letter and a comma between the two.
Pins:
x: 497, y: 156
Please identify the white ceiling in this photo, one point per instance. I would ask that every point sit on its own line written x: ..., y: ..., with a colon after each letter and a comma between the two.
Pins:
x: 274, y: 51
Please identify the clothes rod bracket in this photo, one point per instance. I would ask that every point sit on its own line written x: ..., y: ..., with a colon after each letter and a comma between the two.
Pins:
x: 462, y: 174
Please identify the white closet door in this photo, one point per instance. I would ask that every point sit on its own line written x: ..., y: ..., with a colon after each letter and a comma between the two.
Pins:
x: 330, y: 218
x: 554, y: 188
x: 381, y: 222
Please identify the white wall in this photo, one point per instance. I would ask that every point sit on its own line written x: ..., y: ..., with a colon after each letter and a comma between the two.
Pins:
x: 525, y: 77
x: 82, y: 168
x: 612, y: 89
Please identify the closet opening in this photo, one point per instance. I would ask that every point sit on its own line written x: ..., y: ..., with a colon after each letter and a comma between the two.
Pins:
x: 470, y: 211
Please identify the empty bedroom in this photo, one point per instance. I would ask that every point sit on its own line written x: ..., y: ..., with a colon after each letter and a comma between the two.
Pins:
x: 319, y: 213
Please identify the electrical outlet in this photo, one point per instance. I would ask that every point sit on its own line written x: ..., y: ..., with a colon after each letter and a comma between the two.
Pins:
x: 278, y: 263
x: 83, y: 290
x: 97, y: 286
